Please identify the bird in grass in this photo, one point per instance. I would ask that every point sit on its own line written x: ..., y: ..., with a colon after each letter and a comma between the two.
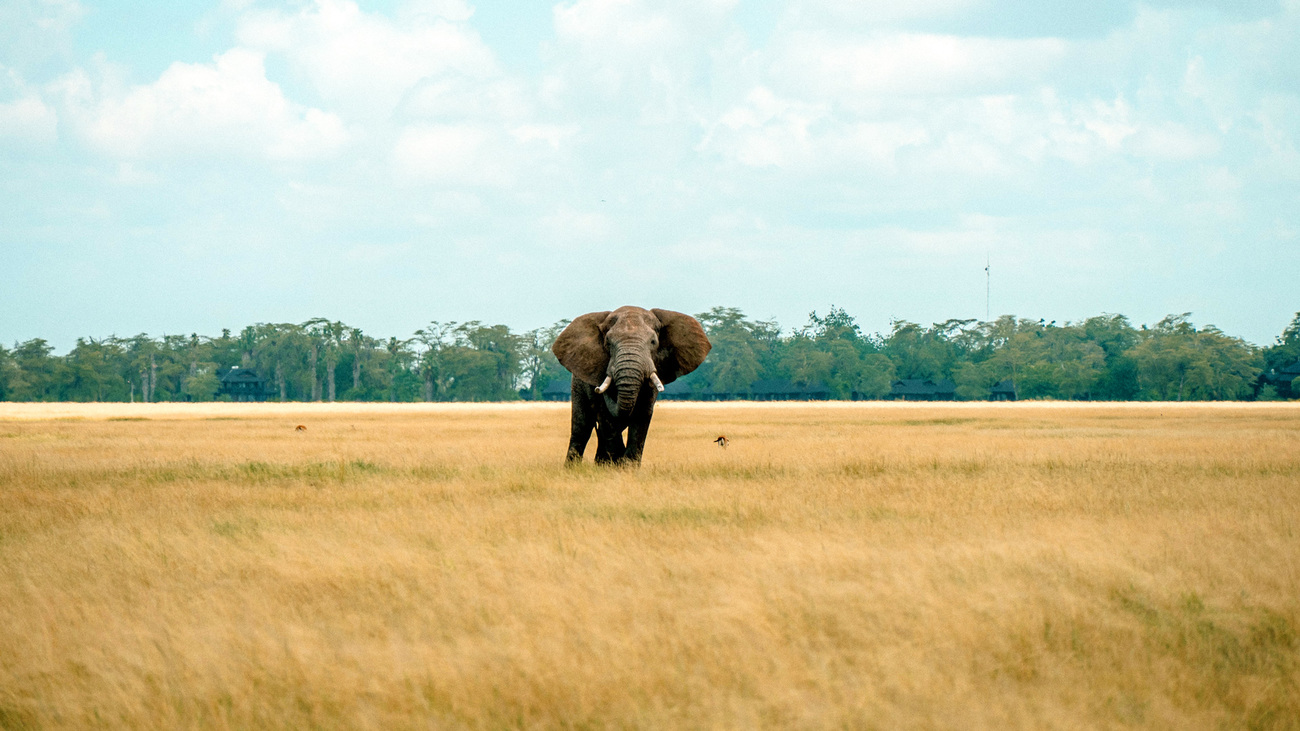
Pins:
x: 721, y: 441
x: 300, y: 427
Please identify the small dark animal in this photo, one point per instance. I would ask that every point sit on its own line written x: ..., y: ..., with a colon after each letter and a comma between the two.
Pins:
x: 300, y: 427
x: 721, y: 441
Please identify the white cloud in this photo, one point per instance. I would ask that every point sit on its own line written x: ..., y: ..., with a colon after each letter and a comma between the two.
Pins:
x: 373, y: 254
x: 615, y: 27
x: 35, y: 34
x: 765, y: 130
x: 552, y: 134
x: 362, y: 64
x: 28, y: 119
x: 24, y: 116
x: 834, y: 13
x: 568, y: 228
x: 1173, y: 141
x: 198, y: 109
x: 1110, y: 122
x: 744, y: 153
x: 646, y: 55
x: 828, y: 64
x: 449, y: 97
x: 451, y: 155
x: 1277, y: 118
x: 130, y: 175
x: 423, y: 10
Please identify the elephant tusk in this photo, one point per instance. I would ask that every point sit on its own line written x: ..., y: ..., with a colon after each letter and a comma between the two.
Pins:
x: 604, y: 385
x: 654, y: 378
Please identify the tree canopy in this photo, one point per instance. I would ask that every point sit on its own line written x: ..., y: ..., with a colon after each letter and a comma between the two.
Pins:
x: 1101, y: 358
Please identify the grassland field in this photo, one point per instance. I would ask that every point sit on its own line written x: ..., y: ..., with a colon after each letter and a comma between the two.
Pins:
x: 836, y: 566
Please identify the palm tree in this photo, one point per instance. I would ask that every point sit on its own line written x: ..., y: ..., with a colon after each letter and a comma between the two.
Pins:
x: 435, y: 338
x: 326, y: 339
x: 399, y: 358
x: 361, y: 347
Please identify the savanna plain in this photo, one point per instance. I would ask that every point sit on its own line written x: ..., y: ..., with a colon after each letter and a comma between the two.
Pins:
x: 836, y: 566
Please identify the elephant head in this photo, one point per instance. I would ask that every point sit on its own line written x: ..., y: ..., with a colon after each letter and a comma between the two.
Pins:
x: 630, y: 346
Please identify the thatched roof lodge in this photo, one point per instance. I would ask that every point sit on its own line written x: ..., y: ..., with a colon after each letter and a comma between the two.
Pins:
x: 922, y: 389
x: 242, y: 384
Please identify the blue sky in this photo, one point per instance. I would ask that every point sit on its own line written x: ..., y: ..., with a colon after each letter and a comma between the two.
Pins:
x: 187, y: 166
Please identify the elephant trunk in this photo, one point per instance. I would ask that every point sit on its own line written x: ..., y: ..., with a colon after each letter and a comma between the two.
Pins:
x: 629, y: 373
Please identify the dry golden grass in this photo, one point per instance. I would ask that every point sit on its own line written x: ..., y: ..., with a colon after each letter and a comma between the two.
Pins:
x: 859, y: 566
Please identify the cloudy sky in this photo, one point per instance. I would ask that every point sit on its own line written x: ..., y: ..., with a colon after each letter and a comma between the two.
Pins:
x: 199, y: 164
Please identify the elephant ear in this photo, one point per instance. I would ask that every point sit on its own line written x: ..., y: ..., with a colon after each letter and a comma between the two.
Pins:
x: 581, y: 348
x: 682, y: 345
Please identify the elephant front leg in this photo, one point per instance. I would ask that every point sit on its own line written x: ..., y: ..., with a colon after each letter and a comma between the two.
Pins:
x: 583, y: 421
x: 639, y: 428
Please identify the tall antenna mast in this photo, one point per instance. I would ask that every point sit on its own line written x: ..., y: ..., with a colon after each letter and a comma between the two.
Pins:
x: 988, y: 286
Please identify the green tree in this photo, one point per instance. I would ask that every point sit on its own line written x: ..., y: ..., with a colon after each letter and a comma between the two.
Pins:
x: 497, y: 362
x: 328, y: 340
x: 537, y: 364
x: 1053, y: 362
x: 803, y: 363
x: 95, y: 371
x: 281, y: 356
x: 1116, y: 336
x: 8, y: 375
x: 36, y: 374
x: 1284, y: 351
x: 974, y: 380
x: 876, y: 375
x: 202, y: 385
x: 850, y: 371
x: 142, y: 368
x: 398, y: 361
x: 734, y: 363
x: 836, y: 325
x: 1177, y: 362
x: 360, y: 350
x: 436, y: 338
x: 932, y: 352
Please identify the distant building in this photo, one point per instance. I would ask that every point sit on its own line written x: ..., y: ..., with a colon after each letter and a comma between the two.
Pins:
x: 766, y: 390
x: 922, y: 389
x: 243, y: 384
x: 1003, y: 391
x: 1281, y: 379
x: 779, y: 390
x: 677, y: 391
x: 681, y: 390
x: 558, y: 390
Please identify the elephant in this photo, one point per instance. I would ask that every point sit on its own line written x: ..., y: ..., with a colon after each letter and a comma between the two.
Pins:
x: 620, y: 361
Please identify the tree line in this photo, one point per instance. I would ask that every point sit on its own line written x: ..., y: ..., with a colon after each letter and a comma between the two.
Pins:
x: 1100, y: 358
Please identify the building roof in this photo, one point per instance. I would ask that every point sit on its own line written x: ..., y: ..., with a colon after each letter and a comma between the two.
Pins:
x: 558, y: 386
x: 1007, y: 386
x: 922, y: 387
x: 1283, y: 375
x: 678, y: 388
x: 777, y: 386
x: 242, y: 375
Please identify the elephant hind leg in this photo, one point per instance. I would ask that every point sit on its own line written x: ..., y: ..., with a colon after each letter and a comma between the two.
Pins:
x: 609, y: 441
